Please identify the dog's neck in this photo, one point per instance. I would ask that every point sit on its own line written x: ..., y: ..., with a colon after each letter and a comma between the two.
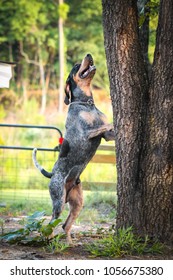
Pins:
x: 79, y: 95
x: 90, y: 102
x: 83, y: 100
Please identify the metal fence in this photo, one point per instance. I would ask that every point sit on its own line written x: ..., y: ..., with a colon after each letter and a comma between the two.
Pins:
x: 20, y: 181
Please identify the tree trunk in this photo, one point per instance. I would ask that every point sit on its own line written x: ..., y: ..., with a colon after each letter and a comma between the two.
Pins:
x: 61, y: 62
x: 42, y: 82
x: 129, y: 88
x: 142, y: 118
x: 24, y: 89
x: 158, y: 161
x: 48, y: 74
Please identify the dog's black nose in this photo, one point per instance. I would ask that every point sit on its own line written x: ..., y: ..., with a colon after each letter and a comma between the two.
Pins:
x: 90, y: 59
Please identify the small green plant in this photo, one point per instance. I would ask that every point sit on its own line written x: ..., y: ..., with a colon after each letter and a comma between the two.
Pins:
x: 123, y: 242
x: 34, y: 230
x: 56, y: 245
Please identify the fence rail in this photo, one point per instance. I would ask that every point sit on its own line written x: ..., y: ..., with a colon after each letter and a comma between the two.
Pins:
x: 31, y: 126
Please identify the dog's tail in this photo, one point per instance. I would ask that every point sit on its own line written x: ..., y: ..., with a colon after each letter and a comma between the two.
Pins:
x: 38, y: 166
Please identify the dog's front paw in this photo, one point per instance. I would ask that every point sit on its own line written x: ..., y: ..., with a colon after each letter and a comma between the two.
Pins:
x: 110, y: 127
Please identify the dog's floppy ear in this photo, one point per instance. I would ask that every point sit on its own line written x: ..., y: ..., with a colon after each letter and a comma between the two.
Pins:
x: 67, y: 93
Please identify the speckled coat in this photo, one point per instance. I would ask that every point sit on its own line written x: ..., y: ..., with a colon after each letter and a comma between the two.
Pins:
x: 85, y: 126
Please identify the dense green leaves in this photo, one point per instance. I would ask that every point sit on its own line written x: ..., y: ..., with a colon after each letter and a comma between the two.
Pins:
x: 63, y: 10
x: 29, y: 35
x: 26, y: 26
x: 18, y: 18
x: 34, y: 231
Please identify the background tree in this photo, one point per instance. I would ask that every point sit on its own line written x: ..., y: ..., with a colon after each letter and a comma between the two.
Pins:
x: 143, y: 120
x: 63, y: 11
x: 29, y: 33
x: 28, y: 40
x: 84, y: 33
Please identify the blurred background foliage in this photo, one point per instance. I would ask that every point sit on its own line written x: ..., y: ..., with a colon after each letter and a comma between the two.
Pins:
x: 29, y: 36
x: 29, y: 31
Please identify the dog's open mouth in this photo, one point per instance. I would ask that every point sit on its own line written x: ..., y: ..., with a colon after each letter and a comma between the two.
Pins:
x: 87, y: 71
x: 87, y: 67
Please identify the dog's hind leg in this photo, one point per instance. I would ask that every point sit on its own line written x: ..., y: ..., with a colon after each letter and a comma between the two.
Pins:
x: 57, y: 193
x: 75, y: 200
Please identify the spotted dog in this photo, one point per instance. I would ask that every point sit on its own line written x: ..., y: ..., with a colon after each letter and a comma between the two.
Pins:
x: 85, y: 126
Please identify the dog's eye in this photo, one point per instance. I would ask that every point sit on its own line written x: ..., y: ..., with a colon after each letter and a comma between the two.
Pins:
x: 77, y: 66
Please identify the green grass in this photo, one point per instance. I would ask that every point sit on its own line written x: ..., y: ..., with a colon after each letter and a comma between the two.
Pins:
x: 98, y: 206
x: 22, y: 194
x: 122, y: 243
x: 22, y: 201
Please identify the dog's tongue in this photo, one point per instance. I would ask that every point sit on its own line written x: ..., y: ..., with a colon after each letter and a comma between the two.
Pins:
x: 87, y: 71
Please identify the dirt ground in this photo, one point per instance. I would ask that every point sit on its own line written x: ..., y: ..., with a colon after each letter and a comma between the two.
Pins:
x: 82, y: 235
x: 19, y: 252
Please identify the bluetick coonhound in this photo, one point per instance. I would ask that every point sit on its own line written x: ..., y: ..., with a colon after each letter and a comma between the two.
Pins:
x: 85, y: 126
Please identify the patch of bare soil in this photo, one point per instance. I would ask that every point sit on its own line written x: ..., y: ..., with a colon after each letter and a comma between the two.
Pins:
x: 19, y: 252
x: 82, y: 235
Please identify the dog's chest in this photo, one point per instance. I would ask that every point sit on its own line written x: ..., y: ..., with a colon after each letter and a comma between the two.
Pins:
x: 81, y: 120
x: 88, y: 117
x: 92, y: 118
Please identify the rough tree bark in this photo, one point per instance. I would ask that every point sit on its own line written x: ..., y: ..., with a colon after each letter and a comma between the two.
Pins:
x: 143, y: 120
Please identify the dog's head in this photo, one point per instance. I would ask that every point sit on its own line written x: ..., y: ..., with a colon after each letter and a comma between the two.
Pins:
x: 79, y: 79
